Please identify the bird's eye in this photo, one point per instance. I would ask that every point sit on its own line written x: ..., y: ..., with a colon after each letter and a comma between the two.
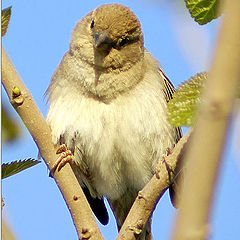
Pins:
x: 92, y: 24
x: 122, y: 42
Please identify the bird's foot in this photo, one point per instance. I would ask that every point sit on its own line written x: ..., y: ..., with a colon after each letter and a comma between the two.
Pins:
x: 65, y: 156
x: 157, y: 171
x: 168, y: 151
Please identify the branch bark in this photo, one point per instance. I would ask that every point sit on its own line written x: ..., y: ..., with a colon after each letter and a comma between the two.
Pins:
x: 74, y: 197
x: 209, y: 135
x: 148, y: 197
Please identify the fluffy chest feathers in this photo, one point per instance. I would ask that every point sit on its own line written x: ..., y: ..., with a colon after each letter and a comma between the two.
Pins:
x: 121, y: 140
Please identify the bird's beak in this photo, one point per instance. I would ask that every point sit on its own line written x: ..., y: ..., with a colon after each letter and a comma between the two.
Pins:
x: 102, y: 39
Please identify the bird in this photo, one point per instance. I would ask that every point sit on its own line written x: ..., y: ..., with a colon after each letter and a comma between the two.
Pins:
x: 108, y: 105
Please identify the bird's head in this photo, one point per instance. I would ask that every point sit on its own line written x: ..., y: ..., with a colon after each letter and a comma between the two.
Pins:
x: 109, y: 37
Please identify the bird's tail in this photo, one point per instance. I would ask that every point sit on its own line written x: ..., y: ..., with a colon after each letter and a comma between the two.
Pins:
x: 146, y: 232
x: 121, y: 207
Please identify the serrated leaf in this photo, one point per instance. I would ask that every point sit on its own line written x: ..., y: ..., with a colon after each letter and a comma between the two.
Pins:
x: 183, y: 107
x: 10, y: 129
x: 6, y: 14
x: 9, y: 169
x: 203, y: 11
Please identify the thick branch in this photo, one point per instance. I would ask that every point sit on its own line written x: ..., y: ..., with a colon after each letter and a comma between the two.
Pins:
x: 23, y: 103
x: 147, y: 198
x: 207, y: 142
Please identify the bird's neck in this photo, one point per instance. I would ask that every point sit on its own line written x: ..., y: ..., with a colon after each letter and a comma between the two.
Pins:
x: 111, y: 83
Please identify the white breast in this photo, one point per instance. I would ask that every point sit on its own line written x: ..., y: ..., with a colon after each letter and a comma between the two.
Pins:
x: 122, y: 140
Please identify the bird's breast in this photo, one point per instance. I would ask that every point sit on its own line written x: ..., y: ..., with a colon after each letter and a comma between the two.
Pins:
x: 121, y: 141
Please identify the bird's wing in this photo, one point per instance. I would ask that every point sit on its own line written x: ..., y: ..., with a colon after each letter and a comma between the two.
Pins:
x: 168, y: 92
x: 174, y: 188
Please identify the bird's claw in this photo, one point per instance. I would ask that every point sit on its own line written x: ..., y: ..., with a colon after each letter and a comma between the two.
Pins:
x: 65, y: 156
x: 157, y: 170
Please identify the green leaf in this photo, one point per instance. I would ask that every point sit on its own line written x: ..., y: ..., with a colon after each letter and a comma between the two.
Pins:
x: 203, y: 11
x: 9, y: 169
x: 183, y: 107
x: 6, y: 14
x: 10, y: 129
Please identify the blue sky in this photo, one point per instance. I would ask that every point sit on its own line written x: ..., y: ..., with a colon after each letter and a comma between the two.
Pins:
x: 38, y: 36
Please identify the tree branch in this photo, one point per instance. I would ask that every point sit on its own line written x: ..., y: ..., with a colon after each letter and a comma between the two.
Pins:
x: 74, y: 197
x: 148, y: 197
x: 209, y: 136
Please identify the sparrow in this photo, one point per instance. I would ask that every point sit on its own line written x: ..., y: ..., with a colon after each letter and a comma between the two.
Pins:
x: 108, y: 104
